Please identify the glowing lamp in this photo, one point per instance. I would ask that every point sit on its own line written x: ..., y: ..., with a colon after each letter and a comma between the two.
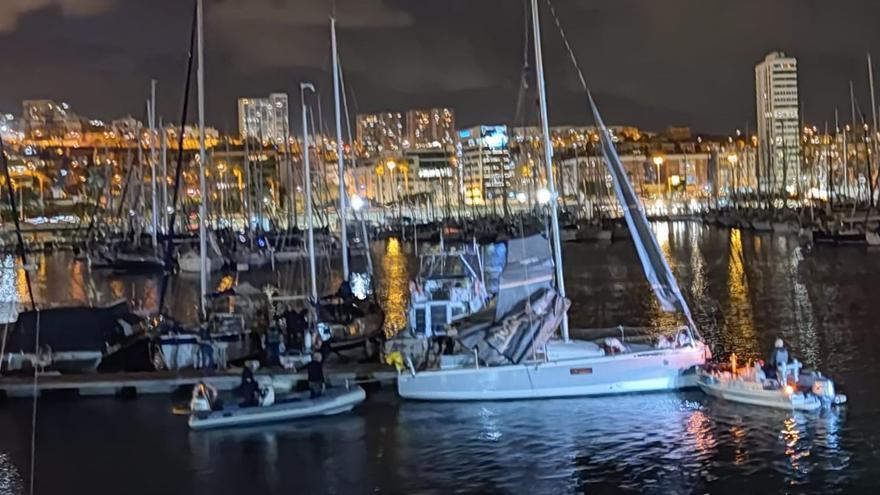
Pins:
x: 543, y: 196
x: 789, y: 390
x: 357, y: 202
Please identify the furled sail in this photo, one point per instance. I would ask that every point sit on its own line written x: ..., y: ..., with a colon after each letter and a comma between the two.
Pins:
x: 656, y: 268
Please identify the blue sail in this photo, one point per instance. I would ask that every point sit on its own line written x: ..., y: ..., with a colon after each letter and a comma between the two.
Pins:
x: 654, y: 263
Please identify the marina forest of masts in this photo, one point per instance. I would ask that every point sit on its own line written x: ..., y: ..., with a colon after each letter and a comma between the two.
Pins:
x: 109, y: 176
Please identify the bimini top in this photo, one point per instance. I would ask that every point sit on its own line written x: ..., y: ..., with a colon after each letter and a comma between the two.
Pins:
x: 449, y: 265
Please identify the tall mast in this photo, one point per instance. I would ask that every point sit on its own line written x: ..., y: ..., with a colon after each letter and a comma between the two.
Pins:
x: 163, y: 146
x: 307, y: 178
x: 248, y: 181
x: 340, y: 158
x: 871, y: 84
x: 153, y: 158
x: 874, y: 131
x: 548, y: 162
x: 203, y: 189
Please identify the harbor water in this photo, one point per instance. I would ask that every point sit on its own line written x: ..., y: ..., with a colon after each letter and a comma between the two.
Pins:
x: 745, y: 289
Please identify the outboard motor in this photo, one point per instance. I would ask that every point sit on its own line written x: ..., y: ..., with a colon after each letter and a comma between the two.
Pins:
x: 823, y: 388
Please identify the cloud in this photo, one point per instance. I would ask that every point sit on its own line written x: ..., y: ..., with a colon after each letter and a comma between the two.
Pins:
x: 11, y: 10
x: 350, y: 13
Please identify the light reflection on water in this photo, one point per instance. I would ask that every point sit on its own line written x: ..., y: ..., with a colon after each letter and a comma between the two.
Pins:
x: 394, y: 288
x: 746, y: 289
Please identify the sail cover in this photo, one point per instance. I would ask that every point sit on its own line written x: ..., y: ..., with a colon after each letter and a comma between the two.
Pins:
x: 656, y: 268
x: 529, y: 268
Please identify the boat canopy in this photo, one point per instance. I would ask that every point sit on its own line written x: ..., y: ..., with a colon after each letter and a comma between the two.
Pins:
x: 654, y: 263
x: 449, y: 266
x: 71, y: 329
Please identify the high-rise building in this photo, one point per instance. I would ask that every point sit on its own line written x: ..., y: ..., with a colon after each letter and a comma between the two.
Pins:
x: 431, y: 128
x: 43, y: 119
x: 380, y: 132
x: 776, y: 94
x: 485, y: 165
x: 266, y: 119
x: 9, y: 127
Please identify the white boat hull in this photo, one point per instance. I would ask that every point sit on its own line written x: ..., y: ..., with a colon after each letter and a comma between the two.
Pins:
x: 191, y: 264
x: 646, y: 371
x: 777, y: 399
x: 331, y: 403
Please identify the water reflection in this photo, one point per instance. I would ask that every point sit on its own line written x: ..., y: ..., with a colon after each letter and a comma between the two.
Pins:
x: 739, y: 334
x: 394, y: 291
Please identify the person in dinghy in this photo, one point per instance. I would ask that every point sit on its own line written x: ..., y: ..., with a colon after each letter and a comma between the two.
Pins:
x: 780, y: 384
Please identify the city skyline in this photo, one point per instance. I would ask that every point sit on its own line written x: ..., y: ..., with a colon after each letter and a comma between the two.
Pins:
x: 470, y: 64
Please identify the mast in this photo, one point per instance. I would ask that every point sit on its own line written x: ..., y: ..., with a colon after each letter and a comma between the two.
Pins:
x: 163, y: 147
x: 548, y: 162
x: 340, y: 158
x: 153, y: 158
x: 307, y: 177
x: 203, y: 205
x: 873, y: 140
x: 248, y: 181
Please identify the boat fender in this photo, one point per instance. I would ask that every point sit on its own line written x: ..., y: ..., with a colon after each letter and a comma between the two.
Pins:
x: 267, y: 396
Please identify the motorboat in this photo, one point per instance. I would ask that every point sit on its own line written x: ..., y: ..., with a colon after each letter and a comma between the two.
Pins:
x: 449, y: 287
x: 292, y: 407
x: 73, y: 339
x: 749, y: 385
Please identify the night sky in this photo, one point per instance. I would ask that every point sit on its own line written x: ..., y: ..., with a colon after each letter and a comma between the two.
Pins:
x: 651, y: 63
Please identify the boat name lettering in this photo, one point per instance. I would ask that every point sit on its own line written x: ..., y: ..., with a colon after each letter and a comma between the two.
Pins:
x: 581, y: 371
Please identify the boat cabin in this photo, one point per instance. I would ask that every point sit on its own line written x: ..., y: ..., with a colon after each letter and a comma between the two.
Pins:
x: 449, y: 287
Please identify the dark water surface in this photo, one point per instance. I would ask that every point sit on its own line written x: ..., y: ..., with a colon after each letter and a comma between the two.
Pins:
x: 745, y: 290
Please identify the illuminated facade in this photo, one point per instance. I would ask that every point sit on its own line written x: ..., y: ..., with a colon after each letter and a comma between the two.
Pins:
x: 44, y: 119
x: 486, y: 168
x: 776, y: 95
x: 266, y: 119
x: 379, y: 133
x: 431, y: 128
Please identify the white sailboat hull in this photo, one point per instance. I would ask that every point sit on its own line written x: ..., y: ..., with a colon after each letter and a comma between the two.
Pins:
x: 646, y: 371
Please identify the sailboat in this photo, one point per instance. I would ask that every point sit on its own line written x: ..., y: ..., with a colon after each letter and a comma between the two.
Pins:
x: 513, y: 356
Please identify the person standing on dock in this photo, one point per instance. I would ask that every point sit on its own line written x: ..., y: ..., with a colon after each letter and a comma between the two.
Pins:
x: 316, y: 375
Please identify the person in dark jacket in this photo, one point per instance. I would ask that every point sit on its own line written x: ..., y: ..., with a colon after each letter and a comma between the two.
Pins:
x: 250, y: 390
x: 316, y: 375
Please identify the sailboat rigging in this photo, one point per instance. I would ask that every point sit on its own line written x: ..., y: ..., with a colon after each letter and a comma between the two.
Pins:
x: 513, y: 355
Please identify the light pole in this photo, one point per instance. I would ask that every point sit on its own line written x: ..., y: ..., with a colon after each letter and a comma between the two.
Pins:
x: 732, y: 159
x: 658, y: 160
x: 357, y: 204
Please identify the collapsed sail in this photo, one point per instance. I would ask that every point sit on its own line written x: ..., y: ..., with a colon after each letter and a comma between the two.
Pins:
x: 656, y: 268
x: 528, y: 311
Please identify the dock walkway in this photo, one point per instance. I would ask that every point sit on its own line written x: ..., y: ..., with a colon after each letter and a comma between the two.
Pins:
x: 167, y: 382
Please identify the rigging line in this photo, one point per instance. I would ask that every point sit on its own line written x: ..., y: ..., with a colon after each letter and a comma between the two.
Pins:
x: 22, y: 253
x: 34, y: 404
x: 574, y: 61
x: 169, y: 241
x: 10, y: 188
